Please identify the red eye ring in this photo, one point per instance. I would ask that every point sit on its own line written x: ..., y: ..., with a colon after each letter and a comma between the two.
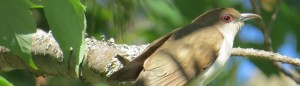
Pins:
x: 227, y: 18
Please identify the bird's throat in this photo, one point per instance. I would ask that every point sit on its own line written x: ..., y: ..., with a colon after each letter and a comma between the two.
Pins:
x: 229, y: 31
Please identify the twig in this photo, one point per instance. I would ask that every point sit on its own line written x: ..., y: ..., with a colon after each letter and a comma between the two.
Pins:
x: 275, y: 57
x: 274, y: 16
x: 249, y: 52
x: 262, y: 27
x: 267, y: 39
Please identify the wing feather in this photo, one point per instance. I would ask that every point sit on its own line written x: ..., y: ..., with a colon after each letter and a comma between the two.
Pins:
x: 178, y: 61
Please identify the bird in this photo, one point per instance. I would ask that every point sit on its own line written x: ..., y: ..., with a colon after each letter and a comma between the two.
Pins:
x: 192, y: 55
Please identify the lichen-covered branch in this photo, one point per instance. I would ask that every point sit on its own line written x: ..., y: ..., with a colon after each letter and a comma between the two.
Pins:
x: 102, y: 57
x: 100, y: 60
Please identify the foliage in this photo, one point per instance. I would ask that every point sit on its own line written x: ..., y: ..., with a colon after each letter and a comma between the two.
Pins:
x: 4, y: 82
x: 67, y: 22
x: 16, y: 28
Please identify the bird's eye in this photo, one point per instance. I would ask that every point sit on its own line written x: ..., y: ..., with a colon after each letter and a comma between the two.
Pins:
x: 227, y: 18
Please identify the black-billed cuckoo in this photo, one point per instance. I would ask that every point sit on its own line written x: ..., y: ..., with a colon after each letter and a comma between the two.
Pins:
x: 191, y: 55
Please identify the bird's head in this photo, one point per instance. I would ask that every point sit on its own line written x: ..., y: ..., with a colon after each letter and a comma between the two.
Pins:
x: 228, y: 20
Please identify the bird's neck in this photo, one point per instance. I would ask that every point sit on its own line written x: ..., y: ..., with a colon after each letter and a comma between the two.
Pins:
x: 229, y: 31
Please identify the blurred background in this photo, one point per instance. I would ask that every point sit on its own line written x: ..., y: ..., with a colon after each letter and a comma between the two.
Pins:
x: 142, y: 21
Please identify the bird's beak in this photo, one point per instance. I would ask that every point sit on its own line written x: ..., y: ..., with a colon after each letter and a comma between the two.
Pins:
x: 247, y: 16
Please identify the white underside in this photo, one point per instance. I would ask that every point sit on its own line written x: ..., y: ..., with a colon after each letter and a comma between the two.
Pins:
x: 217, y: 67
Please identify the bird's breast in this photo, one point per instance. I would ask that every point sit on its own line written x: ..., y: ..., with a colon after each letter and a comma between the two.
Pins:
x: 216, y: 68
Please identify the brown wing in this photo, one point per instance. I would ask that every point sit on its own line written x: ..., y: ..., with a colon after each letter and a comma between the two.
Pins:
x: 133, y: 69
x: 183, y: 56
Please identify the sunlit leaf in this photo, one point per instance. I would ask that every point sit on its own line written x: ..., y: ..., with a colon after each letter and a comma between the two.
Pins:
x: 4, y: 82
x: 67, y: 21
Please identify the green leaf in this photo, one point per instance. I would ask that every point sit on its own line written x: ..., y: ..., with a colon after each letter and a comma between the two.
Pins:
x: 165, y: 10
x: 4, y: 82
x: 67, y: 21
x: 16, y: 28
x: 35, y: 3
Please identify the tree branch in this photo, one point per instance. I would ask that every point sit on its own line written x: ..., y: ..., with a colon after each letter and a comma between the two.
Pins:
x: 275, y: 57
x: 267, y: 39
x: 102, y: 58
